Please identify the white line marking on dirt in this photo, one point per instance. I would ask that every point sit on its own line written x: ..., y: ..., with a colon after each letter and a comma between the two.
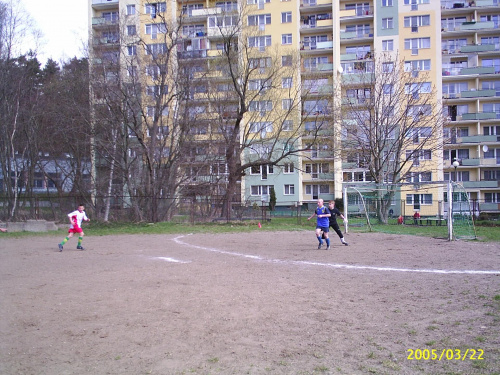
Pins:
x: 335, y: 265
x: 171, y: 260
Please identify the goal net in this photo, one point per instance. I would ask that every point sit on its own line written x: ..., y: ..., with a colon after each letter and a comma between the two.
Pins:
x: 384, y: 206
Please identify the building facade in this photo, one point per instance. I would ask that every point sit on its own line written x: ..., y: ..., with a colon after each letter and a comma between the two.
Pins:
x: 455, y: 44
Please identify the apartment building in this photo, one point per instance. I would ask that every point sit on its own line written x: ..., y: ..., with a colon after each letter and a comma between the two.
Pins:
x: 454, y: 43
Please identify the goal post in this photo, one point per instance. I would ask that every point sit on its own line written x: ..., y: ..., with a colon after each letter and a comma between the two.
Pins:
x: 445, y: 204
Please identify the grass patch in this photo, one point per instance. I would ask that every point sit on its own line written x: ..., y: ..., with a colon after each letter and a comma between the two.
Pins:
x: 96, y: 228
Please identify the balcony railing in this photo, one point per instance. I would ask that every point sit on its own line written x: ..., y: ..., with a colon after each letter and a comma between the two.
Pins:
x: 459, y: 4
x: 479, y: 116
x: 104, y: 2
x: 307, y: 46
x: 196, y: 54
x: 365, y: 33
x: 468, y: 71
x: 101, y: 21
x: 359, y: 12
x: 478, y: 93
x: 318, y: 68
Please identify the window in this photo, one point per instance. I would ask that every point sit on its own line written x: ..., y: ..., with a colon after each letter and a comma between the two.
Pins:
x: 387, y: 3
x: 417, y: 43
x: 387, y: 23
x: 286, y: 82
x: 289, y: 189
x: 154, y: 8
x: 419, y: 177
x: 264, y: 62
x: 286, y: 39
x: 387, y: 67
x: 259, y: 190
x: 388, y: 89
x: 260, y: 19
x: 288, y: 168
x: 417, y: 65
x: 130, y: 10
x: 286, y: 104
x: 259, y: 41
x: 156, y: 49
x: 388, y: 45
x: 418, y: 88
x: 132, y: 50
x: 155, y: 28
x: 131, y: 30
x: 492, y: 175
x: 132, y: 71
x: 249, y: 2
x: 286, y: 60
x: 491, y: 130
x: 259, y: 85
x: 424, y: 199
x: 286, y: 17
x: 260, y: 106
x: 287, y: 125
x: 492, y: 197
x: 261, y: 127
x: 415, y: 21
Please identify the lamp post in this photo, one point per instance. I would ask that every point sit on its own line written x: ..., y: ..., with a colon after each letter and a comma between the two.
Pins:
x: 455, y: 164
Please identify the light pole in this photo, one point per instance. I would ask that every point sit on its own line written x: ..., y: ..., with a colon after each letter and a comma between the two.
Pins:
x: 455, y: 164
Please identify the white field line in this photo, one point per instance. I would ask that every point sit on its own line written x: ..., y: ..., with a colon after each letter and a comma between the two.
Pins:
x: 167, y: 259
x: 336, y: 265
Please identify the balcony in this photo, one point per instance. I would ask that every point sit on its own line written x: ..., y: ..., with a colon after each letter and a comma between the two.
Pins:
x: 196, y: 54
x: 362, y: 12
x: 460, y: 4
x: 475, y: 48
x: 105, y: 42
x: 318, y: 46
x: 477, y: 70
x: 318, y: 68
x: 361, y: 34
x: 357, y: 77
x: 318, y: 25
x: 319, y: 90
x: 478, y: 116
x: 480, y: 185
x: 316, y: 5
x: 478, y: 93
x: 104, y: 4
x: 101, y: 21
x: 477, y: 139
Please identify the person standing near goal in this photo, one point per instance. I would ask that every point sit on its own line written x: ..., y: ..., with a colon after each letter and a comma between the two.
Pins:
x: 75, y: 219
x: 322, y: 225
x: 334, y: 212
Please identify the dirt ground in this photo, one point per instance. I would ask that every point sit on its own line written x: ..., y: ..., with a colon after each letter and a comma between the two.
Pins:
x: 255, y: 303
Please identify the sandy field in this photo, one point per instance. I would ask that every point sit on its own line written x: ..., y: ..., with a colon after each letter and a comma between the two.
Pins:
x: 253, y: 303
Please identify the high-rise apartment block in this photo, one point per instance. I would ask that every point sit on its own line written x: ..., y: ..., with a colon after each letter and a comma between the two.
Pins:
x: 329, y: 48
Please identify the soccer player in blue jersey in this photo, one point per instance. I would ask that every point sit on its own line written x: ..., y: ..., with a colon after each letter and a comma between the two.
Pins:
x: 323, y: 223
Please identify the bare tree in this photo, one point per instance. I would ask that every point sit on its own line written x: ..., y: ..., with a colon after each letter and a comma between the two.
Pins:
x: 255, y: 104
x: 141, y: 127
x: 391, y: 121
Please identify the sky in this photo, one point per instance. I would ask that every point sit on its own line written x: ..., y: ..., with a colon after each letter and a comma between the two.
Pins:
x: 64, y: 24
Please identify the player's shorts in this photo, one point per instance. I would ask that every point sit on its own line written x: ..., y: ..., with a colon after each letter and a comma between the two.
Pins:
x: 75, y: 230
x: 324, y: 229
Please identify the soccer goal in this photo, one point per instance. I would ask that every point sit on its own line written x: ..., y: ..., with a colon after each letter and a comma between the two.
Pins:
x: 377, y: 207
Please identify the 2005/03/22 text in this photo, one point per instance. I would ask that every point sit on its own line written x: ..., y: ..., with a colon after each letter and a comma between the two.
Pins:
x: 444, y: 354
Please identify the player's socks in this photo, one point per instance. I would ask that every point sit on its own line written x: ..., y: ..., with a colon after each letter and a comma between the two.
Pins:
x: 319, y: 239
x: 80, y: 241
x: 327, y: 242
x: 64, y: 241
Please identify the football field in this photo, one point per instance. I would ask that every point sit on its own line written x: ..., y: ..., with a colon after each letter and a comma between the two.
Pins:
x: 252, y: 303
